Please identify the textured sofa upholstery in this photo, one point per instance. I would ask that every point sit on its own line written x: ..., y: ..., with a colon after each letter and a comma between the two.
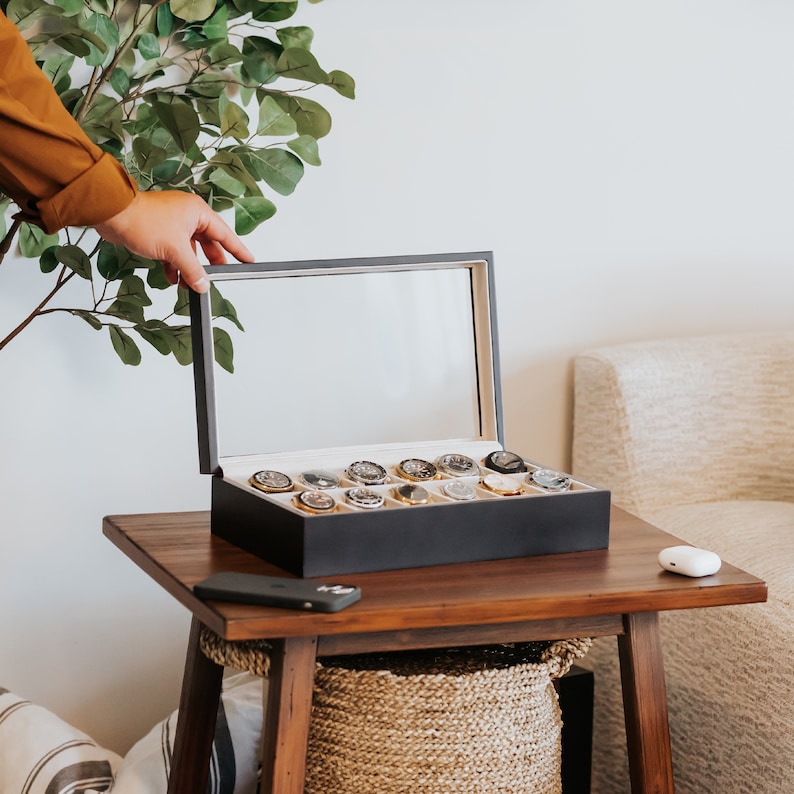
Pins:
x: 696, y: 436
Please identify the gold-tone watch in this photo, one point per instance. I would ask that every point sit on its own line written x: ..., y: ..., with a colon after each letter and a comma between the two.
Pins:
x: 502, y: 484
x: 314, y: 502
x: 416, y: 470
x: 411, y: 494
x: 456, y: 465
x: 271, y: 481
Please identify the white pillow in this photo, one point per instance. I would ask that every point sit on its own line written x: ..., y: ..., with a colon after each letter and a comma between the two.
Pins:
x: 235, y: 752
x: 42, y: 754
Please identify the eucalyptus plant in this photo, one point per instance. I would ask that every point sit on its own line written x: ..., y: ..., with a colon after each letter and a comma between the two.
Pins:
x: 207, y: 96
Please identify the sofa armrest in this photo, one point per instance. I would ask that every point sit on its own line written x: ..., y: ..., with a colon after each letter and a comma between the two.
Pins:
x: 689, y: 420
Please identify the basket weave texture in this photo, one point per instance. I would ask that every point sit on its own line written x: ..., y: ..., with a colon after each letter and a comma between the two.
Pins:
x: 480, y: 720
x: 475, y: 721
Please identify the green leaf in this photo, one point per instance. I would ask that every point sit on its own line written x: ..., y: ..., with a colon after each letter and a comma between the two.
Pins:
x: 182, y: 305
x: 156, y: 279
x: 235, y: 168
x: 219, y: 55
x: 250, y: 211
x: 221, y: 308
x: 156, y: 333
x: 224, y: 349
x: 70, y: 7
x: 133, y: 290
x: 90, y: 318
x: 306, y: 147
x: 310, y: 117
x: 165, y: 20
x: 180, y: 120
x: 33, y: 241
x: 217, y: 26
x: 48, y: 261
x: 57, y: 68
x: 268, y: 12
x: 120, y: 81
x: 342, y: 83
x: 296, y: 37
x: 75, y: 259
x: 103, y: 36
x: 192, y: 10
x: 75, y: 44
x: 181, y: 345
x: 126, y: 311
x: 300, y: 64
x: 125, y: 348
x: 234, y: 122
x: 281, y: 169
x: 273, y: 120
x: 146, y: 155
x: 148, y: 46
x: 260, y: 58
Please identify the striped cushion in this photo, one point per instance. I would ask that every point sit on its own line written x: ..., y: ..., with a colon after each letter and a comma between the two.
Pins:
x: 42, y: 754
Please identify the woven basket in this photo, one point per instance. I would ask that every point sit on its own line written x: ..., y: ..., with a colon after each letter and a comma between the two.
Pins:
x: 476, y: 720
x: 482, y: 720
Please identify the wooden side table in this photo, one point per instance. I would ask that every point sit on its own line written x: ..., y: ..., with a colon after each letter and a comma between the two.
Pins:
x: 616, y: 591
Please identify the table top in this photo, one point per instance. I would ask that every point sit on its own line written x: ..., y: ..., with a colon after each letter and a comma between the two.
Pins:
x: 178, y: 550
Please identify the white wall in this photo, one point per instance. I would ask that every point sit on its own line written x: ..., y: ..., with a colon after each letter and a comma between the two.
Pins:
x: 629, y: 163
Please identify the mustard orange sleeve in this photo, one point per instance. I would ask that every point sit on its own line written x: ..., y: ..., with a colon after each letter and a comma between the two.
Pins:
x: 48, y: 166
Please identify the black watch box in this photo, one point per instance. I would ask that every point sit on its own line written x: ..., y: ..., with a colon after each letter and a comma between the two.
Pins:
x: 350, y: 362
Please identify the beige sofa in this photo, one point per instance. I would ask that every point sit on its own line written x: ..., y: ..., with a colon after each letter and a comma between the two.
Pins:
x: 696, y: 436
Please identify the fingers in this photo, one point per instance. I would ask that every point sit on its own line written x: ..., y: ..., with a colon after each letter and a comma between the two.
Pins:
x: 215, y: 234
x: 166, y: 225
x: 183, y: 264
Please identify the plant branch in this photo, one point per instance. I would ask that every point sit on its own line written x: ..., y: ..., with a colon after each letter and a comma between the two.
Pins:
x: 63, y: 279
x: 97, y: 82
x: 5, y: 246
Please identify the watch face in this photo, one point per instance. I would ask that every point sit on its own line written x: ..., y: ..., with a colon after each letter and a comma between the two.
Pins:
x: 461, y: 491
x: 411, y: 494
x: 456, y: 465
x: 502, y: 484
x: 549, y: 480
x: 315, y: 502
x: 319, y: 479
x: 505, y: 462
x: 417, y: 469
x: 271, y: 481
x: 366, y: 472
x: 364, y: 497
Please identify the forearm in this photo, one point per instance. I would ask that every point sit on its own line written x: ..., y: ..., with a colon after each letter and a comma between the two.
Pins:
x: 48, y: 166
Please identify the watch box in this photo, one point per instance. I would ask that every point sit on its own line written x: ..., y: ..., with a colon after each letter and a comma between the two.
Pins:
x: 359, y: 429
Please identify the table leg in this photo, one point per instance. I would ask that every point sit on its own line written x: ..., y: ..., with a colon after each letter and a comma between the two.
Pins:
x: 198, y: 711
x: 645, y: 705
x: 287, y: 715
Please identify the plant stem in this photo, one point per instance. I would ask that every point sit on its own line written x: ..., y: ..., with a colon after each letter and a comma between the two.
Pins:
x: 5, y: 246
x: 97, y: 79
x: 62, y: 280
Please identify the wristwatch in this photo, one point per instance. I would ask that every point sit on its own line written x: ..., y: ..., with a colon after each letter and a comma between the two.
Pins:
x: 505, y: 462
x: 462, y: 491
x: 416, y: 469
x: 320, y: 479
x: 271, y: 481
x: 456, y: 465
x: 315, y: 502
x: 411, y: 494
x: 366, y: 472
x: 502, y: 484
x: 549, y: 480
x: 364, y: 497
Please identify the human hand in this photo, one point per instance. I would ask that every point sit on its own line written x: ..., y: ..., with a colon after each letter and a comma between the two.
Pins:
x: 166, y: 225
